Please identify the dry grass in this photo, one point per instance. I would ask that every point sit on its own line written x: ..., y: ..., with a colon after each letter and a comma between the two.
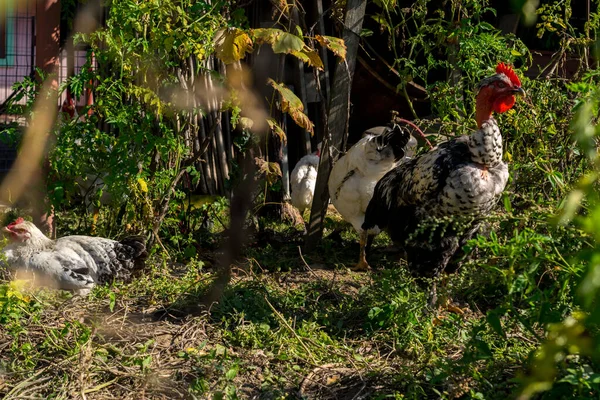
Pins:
x: 290, y: 325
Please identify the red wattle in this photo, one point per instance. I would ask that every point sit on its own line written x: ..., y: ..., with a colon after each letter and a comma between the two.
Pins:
x: 503, y: 104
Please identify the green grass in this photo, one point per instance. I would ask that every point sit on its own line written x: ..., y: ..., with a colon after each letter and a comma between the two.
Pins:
x: 284, y: 329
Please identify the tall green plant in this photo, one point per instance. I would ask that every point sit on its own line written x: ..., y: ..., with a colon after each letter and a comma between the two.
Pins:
x: 569, y: 355
x: 427, y: 40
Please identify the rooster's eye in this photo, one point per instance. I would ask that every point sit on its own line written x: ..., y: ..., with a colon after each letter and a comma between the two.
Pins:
x: 501, y: 85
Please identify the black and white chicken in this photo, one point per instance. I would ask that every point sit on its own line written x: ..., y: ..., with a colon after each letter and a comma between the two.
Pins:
x: 76, y: 263
x: 355, y: 174
x: 463, y: 177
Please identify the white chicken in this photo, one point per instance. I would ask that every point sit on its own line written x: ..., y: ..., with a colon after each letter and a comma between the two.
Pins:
x: 304, y: 179
x: 355, y: 174
x: 76, y: 263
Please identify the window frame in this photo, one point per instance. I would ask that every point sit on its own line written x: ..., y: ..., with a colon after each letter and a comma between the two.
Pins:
x: 7, y: 35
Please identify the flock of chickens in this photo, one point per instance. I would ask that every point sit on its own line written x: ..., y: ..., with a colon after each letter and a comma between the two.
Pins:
x: 377, y: 185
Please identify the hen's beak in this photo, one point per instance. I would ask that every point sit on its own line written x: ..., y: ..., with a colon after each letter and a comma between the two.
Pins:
x: 519, y: 91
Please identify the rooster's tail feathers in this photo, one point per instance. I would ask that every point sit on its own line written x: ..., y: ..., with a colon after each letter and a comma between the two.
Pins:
x: 132, y: 252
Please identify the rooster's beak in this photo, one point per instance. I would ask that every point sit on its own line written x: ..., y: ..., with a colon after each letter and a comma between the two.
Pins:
x: 519, y: 91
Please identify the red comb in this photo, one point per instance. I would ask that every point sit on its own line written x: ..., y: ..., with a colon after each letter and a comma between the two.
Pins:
x: 508, y: 71
x: 17, y: 221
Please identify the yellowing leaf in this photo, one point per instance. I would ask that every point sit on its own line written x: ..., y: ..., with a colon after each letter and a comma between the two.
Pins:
x: 143, y: 185
x: 336, y: 45
x: 15, y: 290
x: 271, y: 170
x: 302, y: 120
x: 246, y: 123
x: 265, y: 35
x: 276, y: 129
x: 231, y: 45
x: 280, y: 41
x: 291, y: 104
x: 288, y: 99
x: 286, y: 43
x: 310, y: 57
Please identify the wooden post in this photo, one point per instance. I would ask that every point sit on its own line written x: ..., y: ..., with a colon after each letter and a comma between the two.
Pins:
x: 337, y: 125
x: 47, y: 37
x: 47, y: 49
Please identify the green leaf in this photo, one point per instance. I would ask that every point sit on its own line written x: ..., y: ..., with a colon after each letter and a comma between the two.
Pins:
x: 112, y: 300
x: 287, y: 43
x: 280, y: 41
x: 189, y: 252
x: 366, y: 32
x: 494, y: 320
x: 381, y: 20
x: 146, y: 362
x: 232, y: 373
x: 484, y: 349
x: 168, y: 43
x: 507, y: 205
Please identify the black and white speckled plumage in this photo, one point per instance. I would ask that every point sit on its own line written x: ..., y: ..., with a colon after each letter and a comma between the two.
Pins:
x: 462, y: 177
x: 75, y: 263
x: 355, y: 174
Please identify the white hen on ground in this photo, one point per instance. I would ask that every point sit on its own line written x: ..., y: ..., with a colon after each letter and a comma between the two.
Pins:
x: 74, y: 263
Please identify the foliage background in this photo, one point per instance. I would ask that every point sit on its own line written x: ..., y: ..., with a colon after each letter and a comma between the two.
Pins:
x: 529, y: 287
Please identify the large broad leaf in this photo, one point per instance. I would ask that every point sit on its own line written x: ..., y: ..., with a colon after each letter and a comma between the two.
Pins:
x: 287, y: 43
x: 231, y: 45
x: 280, y: 41
x: 291, y: 104
x: 334, y: 44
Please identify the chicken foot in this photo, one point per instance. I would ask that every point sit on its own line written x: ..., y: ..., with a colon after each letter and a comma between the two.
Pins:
x: 362, y: 265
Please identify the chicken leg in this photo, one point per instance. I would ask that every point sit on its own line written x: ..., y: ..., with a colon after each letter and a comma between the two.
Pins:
x: 362, y: 265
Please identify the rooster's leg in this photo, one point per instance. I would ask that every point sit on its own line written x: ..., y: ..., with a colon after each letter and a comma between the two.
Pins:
x: 446, y: 303
x: 362, y: 265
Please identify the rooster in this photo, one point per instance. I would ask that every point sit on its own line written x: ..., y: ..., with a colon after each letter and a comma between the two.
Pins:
x: 304, y: 179
x: 76, y: 263
x: 355, y: 174
x: 463, y: 177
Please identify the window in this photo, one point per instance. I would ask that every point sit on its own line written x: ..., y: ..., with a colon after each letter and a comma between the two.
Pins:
x: 7, y: 35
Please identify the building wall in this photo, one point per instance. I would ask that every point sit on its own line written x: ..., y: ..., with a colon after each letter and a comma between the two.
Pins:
x: 20, y: 57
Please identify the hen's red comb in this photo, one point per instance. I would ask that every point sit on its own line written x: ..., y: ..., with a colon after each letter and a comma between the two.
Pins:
x: 17, y: 221
x: 508, y: 71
